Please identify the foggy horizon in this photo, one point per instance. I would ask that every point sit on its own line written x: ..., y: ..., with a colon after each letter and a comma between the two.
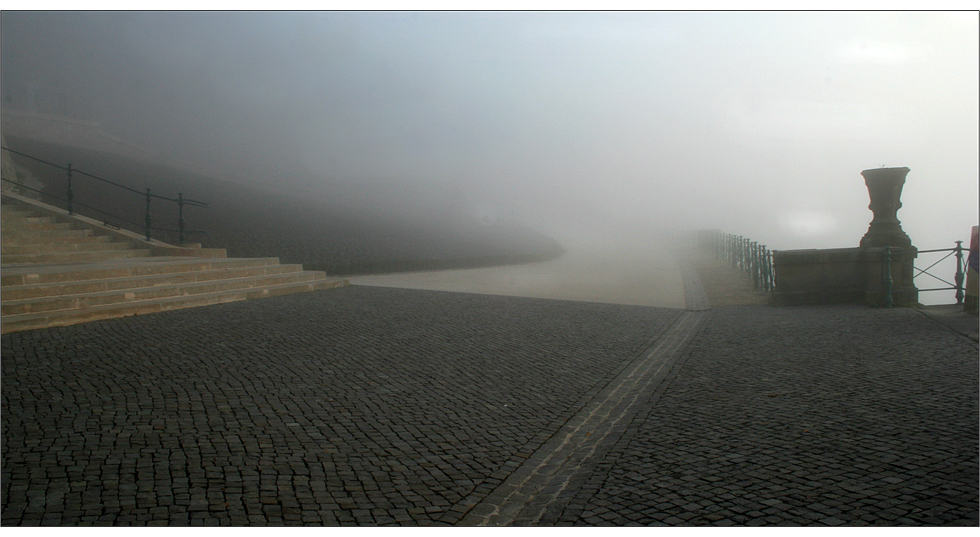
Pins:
x: 754, y: 123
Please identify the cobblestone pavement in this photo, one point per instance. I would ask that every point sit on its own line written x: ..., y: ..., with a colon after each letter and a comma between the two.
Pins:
x: 364, y: 406
x: 541, y: 487
x: 801, y: 416
x: 353, y: 406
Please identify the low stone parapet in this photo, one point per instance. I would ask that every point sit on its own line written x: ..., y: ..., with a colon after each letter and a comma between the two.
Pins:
x: 844, y: 276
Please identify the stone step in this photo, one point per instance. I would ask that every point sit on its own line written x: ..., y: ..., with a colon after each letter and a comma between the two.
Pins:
x: 10, y: 213
x: 198, y: 274
x: 28, y: 225
x: 31, y: 274
x: 72, y: 257
x: 32, y: 240
x: 61, y: 270
x: 16, y: 218
x: 48, y: 234
x: 13, y: 211
x: 86, y: 300
x: 16, y: 323
x: 94, y: 244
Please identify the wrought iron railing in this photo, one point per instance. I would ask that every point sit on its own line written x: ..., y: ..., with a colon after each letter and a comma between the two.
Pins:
x: 148, y: 196
x: 742, y: 254
x: 757, y: 261
x: 956, y: 285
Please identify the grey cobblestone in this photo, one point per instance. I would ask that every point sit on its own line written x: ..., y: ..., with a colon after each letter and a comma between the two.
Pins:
x: 373, y: 406
x: 385, y: 399
x: 811, y: 416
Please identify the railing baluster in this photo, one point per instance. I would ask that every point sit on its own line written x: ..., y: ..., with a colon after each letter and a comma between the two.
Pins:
x: 765, y: 269
x: 959, y: 273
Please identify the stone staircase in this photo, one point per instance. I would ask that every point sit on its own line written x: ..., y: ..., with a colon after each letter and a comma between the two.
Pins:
x: 59, y: 270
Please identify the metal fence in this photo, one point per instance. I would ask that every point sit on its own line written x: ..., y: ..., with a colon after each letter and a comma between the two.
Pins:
x: 742, y: 254
x: 959, y: 275
x: 757, y: 261
x: 145, y: 198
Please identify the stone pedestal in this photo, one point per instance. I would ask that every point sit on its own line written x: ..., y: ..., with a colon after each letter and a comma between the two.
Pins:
x: 855, y: 275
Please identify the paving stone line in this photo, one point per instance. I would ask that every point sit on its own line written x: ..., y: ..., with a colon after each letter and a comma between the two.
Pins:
x: 695, y: 298
x: 544, y: 482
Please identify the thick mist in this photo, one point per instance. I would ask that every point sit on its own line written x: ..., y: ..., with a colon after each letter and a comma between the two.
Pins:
x: 753, y: 123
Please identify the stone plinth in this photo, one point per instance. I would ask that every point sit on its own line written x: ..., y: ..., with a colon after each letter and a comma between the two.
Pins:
x: 842, y: 276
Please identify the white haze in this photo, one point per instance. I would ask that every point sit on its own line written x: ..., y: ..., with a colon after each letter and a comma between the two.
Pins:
x: 754, y: 123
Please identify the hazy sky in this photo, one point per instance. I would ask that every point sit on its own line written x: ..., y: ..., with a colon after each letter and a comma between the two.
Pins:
x: 757, y: 123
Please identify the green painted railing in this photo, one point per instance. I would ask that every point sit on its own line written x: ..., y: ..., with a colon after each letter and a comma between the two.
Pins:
x: 756, y: 260
x: 959, y: 275
x: 742, y: 254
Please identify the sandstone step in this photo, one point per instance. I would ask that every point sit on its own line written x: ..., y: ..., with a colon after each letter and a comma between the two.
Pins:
x: 96, y: 285
x: 60, y: 270
x: 72, y: 257
x: 93, y: 245
x: 15, y: 323
x: 70, y: 232
x: 85, y: 300
x: 30, y: 274
x: 11, y: 214
x: 16, y: 218
x: 33, y: 240
x: 14, y: 210
x: 39, y: 226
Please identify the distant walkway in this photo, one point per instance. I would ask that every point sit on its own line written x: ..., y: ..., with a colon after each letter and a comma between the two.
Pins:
x: 723, y: 285
x: 614, y: 272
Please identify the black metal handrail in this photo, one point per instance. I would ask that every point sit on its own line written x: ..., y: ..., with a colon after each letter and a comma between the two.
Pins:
x: 148, y: 196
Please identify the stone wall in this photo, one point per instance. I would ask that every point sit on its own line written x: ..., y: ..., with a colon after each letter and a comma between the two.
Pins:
x: 843, y: 276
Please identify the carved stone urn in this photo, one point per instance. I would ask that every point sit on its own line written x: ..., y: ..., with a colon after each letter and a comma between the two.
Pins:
x: 885, y: 188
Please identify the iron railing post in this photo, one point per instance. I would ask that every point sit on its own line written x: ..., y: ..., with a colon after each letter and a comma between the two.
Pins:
x: 733, y: 252
x: 180, y: 217
x: 747, y: 263
x: 959, y: 273
x: 71, y: 193
x: 768, y: 257
x: 772, y: 272
x: 746, y: 256
x: 149, y: 219
x: 764, y: 267
x: 741, y: 252
x: 887, y: 277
